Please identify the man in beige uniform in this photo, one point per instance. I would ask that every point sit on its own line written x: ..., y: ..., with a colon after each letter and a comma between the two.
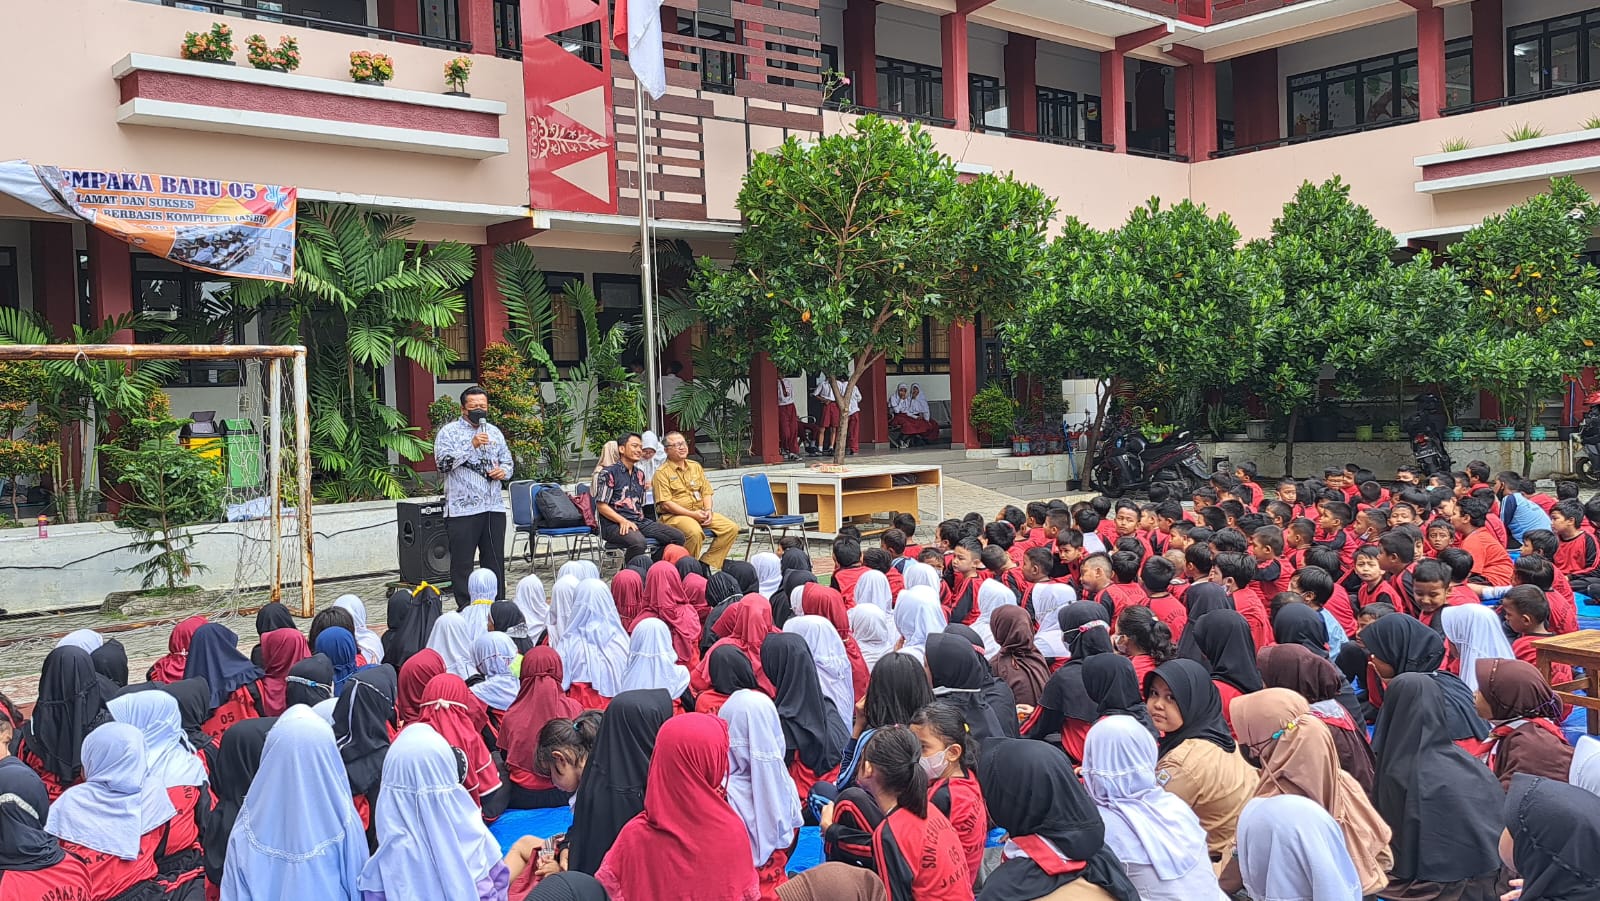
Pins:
x: 683, y: 501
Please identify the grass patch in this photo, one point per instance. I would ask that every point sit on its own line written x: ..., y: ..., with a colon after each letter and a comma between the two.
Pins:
x: 1524, y: 132
x: 1454, y: 144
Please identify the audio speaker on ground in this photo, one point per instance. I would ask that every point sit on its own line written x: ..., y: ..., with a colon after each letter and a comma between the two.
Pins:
x: 423, y: 545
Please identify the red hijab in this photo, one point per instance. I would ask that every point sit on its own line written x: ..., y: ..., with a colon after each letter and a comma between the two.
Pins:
x: 281, y: 649
x: 745, y: 626
x: 415, y: 674
x: 686, y: 822
x: 663, y: 599
x: 454, y: 712
x: 817, y: 599
x: 627, y: 589
x: 170, y: 667
x: 539, y: 700
x: 694, y: 594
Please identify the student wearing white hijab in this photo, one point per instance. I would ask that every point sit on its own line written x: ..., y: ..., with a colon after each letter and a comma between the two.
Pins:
x: 115, y: 805
x: 873, y: 588
x: 593, y: 647
x: 992, y: 595
x: 1585, y: 769
x: 652, y: 662
x: 1290, y: 849
x: 918, y: 573
x: 1048, y: 598
x: 561, y: 597
x: 917, y: 615
x: 535, y: 608
x: 297, y: 835
x: 169, y: 759
x: 899, y: 400
x: 1154, y: 833
x: 1476, y: 633
x: 432, y: 843
x: 655, y: 453
x: 769, y: 572
x: 874, y: 632
x: 832, y: 660
x: 87, y: 639
x: 760, y: 789
x: 578, y: 569
x: 367, y: 640
x: 325, y: 709
x: 452, y: 638
x: 482, y: 587
x: 493, y: 653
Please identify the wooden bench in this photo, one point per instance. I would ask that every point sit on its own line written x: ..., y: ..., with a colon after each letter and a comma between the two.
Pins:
x: 1580, y: 650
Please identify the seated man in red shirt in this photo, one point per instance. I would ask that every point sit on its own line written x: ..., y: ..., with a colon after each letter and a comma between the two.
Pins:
x: 1490, y: 560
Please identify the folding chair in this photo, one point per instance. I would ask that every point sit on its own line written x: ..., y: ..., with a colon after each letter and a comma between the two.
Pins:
x: 579, y: 538
x: 761, y: 512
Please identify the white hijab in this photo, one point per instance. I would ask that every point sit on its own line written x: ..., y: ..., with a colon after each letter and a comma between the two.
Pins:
x: 919, y: 573
x: 833, y: 662
x: 1145, y: 824
x: 652, y: 663
x: 169, y: 758
x: 566, y: 590
x: 432, y: 842
x: 115, y: 805
x: 898, y: 404
x: 760, y: 789
x: 493, y: 653
x: 325, y: 710
x: 649, y: 465
x: 769, y: 572
x: 1290, y: 849
x: 579, y: 569
x: 917, y: 615
x: 297, y: 834
x: 483, y: 585
x: 1048, y: 599
x: 87, y: 639
x: 367, y: 640
x: 1585, y: 770
x: 1475, y: 632
x: 874, y: 632
x: 992, y: 595
x: 531, y: 601
x: 452, y: 637
x: 917, y: 403
x: 873, y: 588
x: 593, y: 647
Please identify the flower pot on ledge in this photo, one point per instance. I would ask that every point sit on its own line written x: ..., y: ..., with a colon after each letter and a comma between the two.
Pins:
x: 372, y: 81
x: 1506, y: 433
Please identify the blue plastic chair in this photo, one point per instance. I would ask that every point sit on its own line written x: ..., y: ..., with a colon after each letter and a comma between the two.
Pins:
x: 525, y: 519
x: 761, y: 512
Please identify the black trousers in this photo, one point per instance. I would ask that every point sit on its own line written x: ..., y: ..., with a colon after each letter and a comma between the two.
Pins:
x: 633, y: 542
x: 480, y: 537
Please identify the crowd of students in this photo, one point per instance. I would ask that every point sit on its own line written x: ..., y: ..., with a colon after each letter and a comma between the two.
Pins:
x: 1103, y: 700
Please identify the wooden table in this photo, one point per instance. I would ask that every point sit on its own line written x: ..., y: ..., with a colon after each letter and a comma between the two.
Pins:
x: 855, y: 495
x: 1578, y: 649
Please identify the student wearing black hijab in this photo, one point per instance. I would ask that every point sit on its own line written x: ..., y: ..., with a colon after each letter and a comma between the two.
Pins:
x: 111, y: 664
x: 1434, y: 796
x: 1200, y: 762
x: 69, y: 705
x: 310, y: 682
x: 641, y: 564
x: 792, y: 559
x: 32, y: 862
x: 959, y: 678
x: 270, y: 618
x: 418, y: 612
x: 782, y: 599
x: 361, y: 723
x: 1555, y: 833
x: 1399, y: 644
x: 1297, y: 623
x: 730, y: 671
x: 722, y: 592
x: 611, y: 790
x: 1223, y: 637
x: 1064, y: 705
x: 233, y: 770
x: 1110, y: 682
x: 744, y: 573
x: 507, y: 617
x: 1201, y: 598
x: 814, y: 733
x: 1032, y: 793
x: 691, y: 566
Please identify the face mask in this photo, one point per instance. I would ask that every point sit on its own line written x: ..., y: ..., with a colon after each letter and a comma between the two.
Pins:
x: 933, y: 765
x: 476, y: 417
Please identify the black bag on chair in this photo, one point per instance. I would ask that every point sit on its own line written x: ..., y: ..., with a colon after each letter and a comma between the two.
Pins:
x: 556, y: 510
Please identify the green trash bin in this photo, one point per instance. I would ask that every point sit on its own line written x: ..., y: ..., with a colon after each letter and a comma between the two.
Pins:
x: 242, y: 448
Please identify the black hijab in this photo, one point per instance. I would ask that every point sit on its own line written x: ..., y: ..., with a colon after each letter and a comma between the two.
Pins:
x: 420, y: 612
x: 234, y: 768
x: 689, y: 566
x: 214, y: 656
x: 1064, y: 690
x: 1223, y: 636
x: 70, y: 704
x: 310, y: 682
x: 111, y: 664
x: 641, y: 564
x: 193, y: 697
x: 1198, y: 703
x: 611, y: 791
x: 1031, y: 790
x: 743, y: 572
x: 394, y: 619
x: 1404, y: 643
x: 1110, y: 681
x: 1557, y: 834
x: 792, y: 559
x: 722, y: 592
x: 812, y: 728
x: 1201, y: 598
x: 959, y: 678
x: 1299, y: 624
x: 782, y: 607
x: 24, y: 805
x: 506, y: 616
x: 731, y: 670
x: 274, y: 616
x: 361, y: 721
x: 568, y: 887
x: 1432, y: 794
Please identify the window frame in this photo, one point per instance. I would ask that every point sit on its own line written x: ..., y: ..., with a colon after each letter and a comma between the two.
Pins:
x: 923, y: 363
x: 469, y: 360
x: 1585, y: 28
x: 895, y: 73
x: 191, y: 373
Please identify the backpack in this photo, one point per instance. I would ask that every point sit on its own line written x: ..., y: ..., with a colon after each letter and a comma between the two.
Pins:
x: 556, y: 510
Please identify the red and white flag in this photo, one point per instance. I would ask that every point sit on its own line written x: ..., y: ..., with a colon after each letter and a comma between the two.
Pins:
x: 636, y: 31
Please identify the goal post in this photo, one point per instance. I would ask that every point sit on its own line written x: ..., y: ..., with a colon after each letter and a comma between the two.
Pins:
x: 274, y: 357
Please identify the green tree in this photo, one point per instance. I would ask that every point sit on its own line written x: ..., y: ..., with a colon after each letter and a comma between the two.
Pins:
x: 1332, y: 263
x: 363, y: 298
x: 164, y: 487
x: 853, y: 240
x: 1166, y: 300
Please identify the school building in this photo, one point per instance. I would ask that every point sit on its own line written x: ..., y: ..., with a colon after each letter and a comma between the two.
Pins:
x: 1103, y: 103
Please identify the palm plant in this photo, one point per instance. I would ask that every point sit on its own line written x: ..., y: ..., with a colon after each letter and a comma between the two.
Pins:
x: 364, y: 297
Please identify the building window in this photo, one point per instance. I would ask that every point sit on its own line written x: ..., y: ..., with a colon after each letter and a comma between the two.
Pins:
x: 508, y: 28
x: 927, y: 353
x: 460, y: 338
x: 1458, y: 73
x: 987, y: 101
x: 10, y: 292
x: 912, y: 89
x: 1380, y: 89
x: 837, y: 94
x: 1557, y: 53
x: 716, y: 66
x: 1058, y: 113
x: 582, y: 41
x: 565, y: 344
x: 441, y: 19
x: 172, y: 294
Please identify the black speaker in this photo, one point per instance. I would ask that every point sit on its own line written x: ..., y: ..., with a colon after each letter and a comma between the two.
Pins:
x: 423, y: 545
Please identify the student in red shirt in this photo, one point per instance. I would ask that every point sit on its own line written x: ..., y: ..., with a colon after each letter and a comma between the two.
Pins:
x: 907, y: 524
x: 1266, y: 546
x: 918, y: 853
x: 997, y: 564
x: 966, y: 565
x: 1125, y: 524
x: 33, y: 866
x: 69, y: 706
x: 847, y: 567
x: 1333, y: 525
x: 176, y: 769
x: 234, y: 681
x: 1375, y: 587
x: 1246, y: 473
x: 1459, y: 563
x: 1440, y: 536
x: 1126, y: 591
x: 1397, y: 555
x: 953, y: 787
x: 815, y: 729
x: 1316, y: 588
x: 1431, y: 583
x: 1237, y: 573
x: 1155, y: 577
x: 1578, y: 557
x: 1527, y: 613
x: 1223, y: 637
x: 1095, y: 576
x: 1298, y: 537
x: 1537, y: 571
x: 882, y: 561
x: 1490, y: 560
x: 1144, y: 640
x: 112, y: 820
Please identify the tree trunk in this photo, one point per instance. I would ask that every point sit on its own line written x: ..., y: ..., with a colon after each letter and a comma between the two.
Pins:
x: 1097, y: 427
x: 1527, y: 431
x: 843, y: 431
x: 1288, y: 443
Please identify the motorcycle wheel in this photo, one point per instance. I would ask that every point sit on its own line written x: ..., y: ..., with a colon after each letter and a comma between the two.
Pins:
x: 1584, y: 469
x: 1103, y: 478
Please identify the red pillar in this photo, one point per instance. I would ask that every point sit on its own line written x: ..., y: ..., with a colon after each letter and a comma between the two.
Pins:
x: 487, y: 306
x: 1256, y: 114
x: 953, y: 46
x: 1022, y: 83
x: 414, y: 386
x: 963, y: 383
x: 1488, y: 51
x: 1430, y: 61
x: 1197, y: 104
x: 110, y: 281
x: 1113, y: 103
x: 763, y: 401
x: 477, y: 25
x: 875, y: 405
x: 55, y: 275
x: 400, y: 15
x: 861, y: 52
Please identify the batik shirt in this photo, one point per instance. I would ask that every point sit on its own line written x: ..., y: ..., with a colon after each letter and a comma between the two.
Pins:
x: 622, y: 486
x: 468, y: 490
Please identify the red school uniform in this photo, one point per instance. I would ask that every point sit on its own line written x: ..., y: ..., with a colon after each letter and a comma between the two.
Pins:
x: 1404, y: 591
x: 961, y: 801
x: 1345, y: 542
x: 1343, y: 610
x: 113, y: 875
x: 585, y: 694
x: 179, y: 858
x: 1523, y: 647
x: 1273, y: 576
x: 1228, y: 693
x: 1563, y: 606
x: 804, y: 778
x: 845, y: 579
x: 243, y: 704
x: 1253, y: 607
x: 1170, y: 610
x: 66, y: 880
x: 1107, y: 530
x: 1578, y: 555
x: 921, y: 858
x: 1125, y: 595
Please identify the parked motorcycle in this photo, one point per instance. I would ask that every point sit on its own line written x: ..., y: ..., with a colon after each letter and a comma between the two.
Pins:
x: 1588, y: 465
x: 1125, y: 461
x: 1426, y: 428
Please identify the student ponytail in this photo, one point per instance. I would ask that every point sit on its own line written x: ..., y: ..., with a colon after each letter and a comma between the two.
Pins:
x: 572, y: 739
x: 895, y: 755
x: 1153, y: 636
x: 948, y: 722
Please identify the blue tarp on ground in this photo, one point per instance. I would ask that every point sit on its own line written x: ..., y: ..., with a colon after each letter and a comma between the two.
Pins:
x: 514, y: 824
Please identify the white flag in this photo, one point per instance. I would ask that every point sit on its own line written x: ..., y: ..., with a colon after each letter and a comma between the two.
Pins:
x: 637, y: 32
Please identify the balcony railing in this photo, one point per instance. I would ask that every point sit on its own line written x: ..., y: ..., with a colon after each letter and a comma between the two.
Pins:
x: 320, y: 24
x: 1158, y: 154
x: 893, y: 114
x: 1521, y: 98
x: 1043, y: 138
x: 1317, y: 136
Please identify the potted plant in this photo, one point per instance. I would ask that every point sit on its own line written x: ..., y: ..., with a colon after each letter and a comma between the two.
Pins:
x: 284, y: 58
x: 367, y: 67
x: 214, y: 46
x: 1536, y: 432
x: 1364, y: 432
x: 993, y: 414
x: 1391, y: 431
x: 456, y: 73
x: 1257, y: 429
x: 1454, y: 433
x: 1504, y: 429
